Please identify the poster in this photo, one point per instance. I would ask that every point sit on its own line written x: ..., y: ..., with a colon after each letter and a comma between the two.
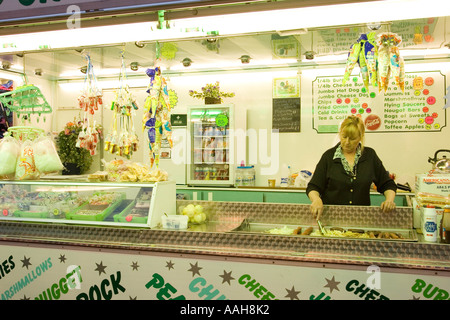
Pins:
x: 63, y: 273
x: 420, y: 108
x: 286, y: 87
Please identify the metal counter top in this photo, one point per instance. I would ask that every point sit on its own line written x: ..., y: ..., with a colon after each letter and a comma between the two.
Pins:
x: 217, y: 238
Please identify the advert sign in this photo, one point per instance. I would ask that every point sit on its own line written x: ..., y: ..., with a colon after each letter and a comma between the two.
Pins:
x: 420, y: 107
x: 62, y: 273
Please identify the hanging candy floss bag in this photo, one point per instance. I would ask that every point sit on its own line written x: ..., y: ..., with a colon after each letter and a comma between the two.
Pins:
x: 46, y: 157
x: 9, y: 151
x: 25, y: 166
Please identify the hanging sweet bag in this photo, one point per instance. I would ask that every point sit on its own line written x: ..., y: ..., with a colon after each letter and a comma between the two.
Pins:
x: 25, y: 166
x: 9, y: 152
x: 46, y: 157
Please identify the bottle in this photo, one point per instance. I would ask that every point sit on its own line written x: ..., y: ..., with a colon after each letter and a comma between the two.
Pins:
x: 253, y: 175
x: 290, y: 180
x: 197, y: 173
x: 238, y: 178
x: 429, y: 228
x: 284, y: 176
x: 206, y: 174
x: 445, y: 226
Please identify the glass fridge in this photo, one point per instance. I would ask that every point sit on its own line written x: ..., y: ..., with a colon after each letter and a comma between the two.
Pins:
x: 210, y: 145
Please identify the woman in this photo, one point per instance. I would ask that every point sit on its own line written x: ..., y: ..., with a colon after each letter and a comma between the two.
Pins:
x: 345, y: 172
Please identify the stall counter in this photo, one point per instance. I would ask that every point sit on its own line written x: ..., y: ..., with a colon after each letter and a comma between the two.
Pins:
x: 220, y: 260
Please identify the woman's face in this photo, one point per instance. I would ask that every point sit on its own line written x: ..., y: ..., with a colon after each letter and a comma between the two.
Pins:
x: 349, y: 142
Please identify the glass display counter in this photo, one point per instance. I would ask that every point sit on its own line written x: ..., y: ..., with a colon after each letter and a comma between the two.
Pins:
x: 102, y: 203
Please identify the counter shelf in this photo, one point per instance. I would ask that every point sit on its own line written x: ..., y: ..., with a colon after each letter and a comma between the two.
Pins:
x: 218, y: 237
x: 82, y: 202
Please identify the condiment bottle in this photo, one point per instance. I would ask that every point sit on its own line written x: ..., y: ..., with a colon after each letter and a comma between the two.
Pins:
x: 445, y: 226
x: 429, y: 227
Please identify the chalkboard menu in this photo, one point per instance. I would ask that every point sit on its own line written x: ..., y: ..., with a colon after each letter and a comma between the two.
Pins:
x: 286, y: 114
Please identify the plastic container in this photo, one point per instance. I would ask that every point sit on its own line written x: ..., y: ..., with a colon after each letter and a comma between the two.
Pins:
x: 174, y: 222
x: 245, y: 176
x: 284, y: 182
x: 429, y: 224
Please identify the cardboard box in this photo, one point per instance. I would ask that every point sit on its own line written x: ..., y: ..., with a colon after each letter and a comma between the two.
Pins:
x: 433, y: 183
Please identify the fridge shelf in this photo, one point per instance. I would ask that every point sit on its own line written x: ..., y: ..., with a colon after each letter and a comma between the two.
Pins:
x: 213, y: 136
x: 210, y: 163
x: 211, y: 149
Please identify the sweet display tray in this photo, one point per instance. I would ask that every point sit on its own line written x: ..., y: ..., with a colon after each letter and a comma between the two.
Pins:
x: 126, y: 214
x: 31, y: 214
x: 331, y: 232
x: 98, y: 213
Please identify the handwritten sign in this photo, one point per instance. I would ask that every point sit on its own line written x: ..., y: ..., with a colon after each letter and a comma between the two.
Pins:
x: 286, y: 114
x: 419, y: 108
x: 415, y: 33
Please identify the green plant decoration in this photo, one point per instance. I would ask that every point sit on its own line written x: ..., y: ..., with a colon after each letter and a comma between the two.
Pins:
x: 68, y: 152
x: 211, y: 91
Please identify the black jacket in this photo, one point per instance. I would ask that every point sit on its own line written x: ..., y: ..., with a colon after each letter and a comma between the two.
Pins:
x: 337, y: 187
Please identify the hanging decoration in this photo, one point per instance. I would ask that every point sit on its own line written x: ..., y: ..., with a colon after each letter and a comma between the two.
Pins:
x: 377, y: 59
x: 390, y: 61
x: 89, y: 101
x: 169, y: 51
x: 25, y: 101
x: 122, y: 139
x: 157, y: 107
x: 363, y: 53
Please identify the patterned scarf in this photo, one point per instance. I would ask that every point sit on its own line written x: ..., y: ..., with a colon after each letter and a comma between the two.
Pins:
x: 340, y: 155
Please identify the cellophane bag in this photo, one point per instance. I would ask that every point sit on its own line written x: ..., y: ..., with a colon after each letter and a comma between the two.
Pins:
x: 46, y: 157
x: 9, y: 151
x: 25, y: 166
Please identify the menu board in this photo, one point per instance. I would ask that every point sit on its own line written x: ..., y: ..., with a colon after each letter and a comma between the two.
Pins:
x: 419, y: 108
x: 286, y: 114
x: 415, y: 33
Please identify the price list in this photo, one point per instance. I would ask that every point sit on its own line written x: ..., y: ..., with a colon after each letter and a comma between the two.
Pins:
x: 419, y: 108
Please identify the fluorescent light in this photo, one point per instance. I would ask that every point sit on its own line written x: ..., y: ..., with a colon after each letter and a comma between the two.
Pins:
x: 320, y: 16
x: 231, y: 24
x: 429, y: 53
x: 81, y: 37
x: 233, y: 65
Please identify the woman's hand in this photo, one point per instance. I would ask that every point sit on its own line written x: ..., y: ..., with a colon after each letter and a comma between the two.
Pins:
x: 389, y: 204
x: 316, y: 207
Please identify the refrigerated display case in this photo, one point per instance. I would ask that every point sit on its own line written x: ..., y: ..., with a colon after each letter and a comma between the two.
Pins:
x: 210, y: 145
x: 79, y: 202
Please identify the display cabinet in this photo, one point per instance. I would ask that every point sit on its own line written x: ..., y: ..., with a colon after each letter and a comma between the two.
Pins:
x: 78, y: 202
x: 210, y: 129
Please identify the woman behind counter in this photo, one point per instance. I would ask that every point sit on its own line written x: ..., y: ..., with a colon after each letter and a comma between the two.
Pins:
x: 345, y: 173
